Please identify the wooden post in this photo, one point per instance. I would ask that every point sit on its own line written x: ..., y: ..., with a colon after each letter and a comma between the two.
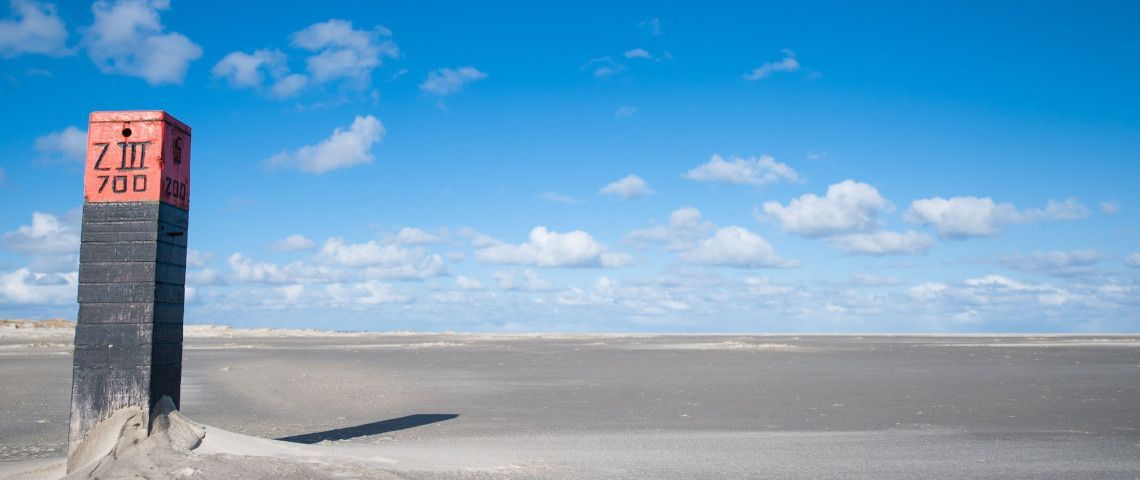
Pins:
x: 132, y: 267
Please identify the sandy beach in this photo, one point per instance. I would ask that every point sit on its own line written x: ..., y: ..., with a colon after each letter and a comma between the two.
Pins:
x: 407, y: 405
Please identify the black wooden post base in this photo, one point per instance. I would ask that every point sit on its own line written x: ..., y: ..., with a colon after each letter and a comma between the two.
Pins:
x: 128, y: 338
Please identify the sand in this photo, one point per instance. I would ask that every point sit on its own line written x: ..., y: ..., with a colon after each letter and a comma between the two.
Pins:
x: 411, y: 405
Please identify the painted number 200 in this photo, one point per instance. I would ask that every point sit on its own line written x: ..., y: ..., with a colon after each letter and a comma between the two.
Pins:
x: 175, y: 189
x: 120, y: 183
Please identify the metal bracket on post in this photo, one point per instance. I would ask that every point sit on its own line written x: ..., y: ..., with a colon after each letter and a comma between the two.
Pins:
x: 132, y: 267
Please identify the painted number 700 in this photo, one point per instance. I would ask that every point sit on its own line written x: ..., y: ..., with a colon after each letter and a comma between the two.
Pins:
x: 120, y: 183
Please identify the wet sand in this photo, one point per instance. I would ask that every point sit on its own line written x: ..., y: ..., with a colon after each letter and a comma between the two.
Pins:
x: 638, y: 406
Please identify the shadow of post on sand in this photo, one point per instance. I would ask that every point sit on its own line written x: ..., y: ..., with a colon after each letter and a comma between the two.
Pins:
x: 374, y: 428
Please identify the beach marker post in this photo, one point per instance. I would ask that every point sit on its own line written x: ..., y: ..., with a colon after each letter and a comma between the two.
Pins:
x: 132, y: 267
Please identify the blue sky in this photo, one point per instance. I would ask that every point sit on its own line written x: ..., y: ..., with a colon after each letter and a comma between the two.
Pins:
x: 734, y: 167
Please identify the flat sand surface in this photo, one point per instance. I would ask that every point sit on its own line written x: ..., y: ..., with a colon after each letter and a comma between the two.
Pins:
x: 635, y: 406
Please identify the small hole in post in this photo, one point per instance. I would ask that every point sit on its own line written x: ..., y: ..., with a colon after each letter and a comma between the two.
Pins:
x: 126, y: 132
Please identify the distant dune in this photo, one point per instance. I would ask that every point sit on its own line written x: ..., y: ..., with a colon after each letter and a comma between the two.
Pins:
x: 51, y: 323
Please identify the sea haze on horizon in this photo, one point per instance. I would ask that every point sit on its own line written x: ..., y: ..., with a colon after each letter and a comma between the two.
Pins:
x: 598, y: 167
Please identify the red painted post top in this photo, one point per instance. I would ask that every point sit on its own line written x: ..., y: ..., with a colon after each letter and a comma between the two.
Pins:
x: 137, y: 156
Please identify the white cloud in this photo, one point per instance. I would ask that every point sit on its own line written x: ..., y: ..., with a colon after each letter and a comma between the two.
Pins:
x: 526, y: 280
x: 1133, y: 260
x: 729, y: 246
x: 367, y: 293
x: 550, y: 249
x: 991, y: 292
x: 338, y: 261
x: 128, y: 38
x: 1070, y: 209
x: 467, y: 283
x: 928, y: 290
x: 337, y: 52
x: 734, y: 246
x: 345, y: 148
x: 198, y: 277
x: 766, y: 287
x: 631, y: 186
x: 47, y: 234
x: 416, y: 236
x: 786, y: 64
x: 245, y: 69
x: 197, y: 258
x: 51, y: 242
x: 446, y: 81
x: 65, y: 146
x: 1056, y: 263
x: 559, y: 198
x: 651, y: 26
x: 743, y: 171
x: 293, y: 243
x: 615, y: 260
x: 574, y: 296
x: 884, y: 243
x: 289, y: 85
x: 848, y: 206
x: 291, y: 293
x: 997, y: 281
x: 24, y: 287
x: 248, y: 70
x: 244, y: 269
x: 685, y: 228
x: 478, y: 240
x: 636, y: 297
x: 963, y: 217
x: 452, y: 296
x: 1110, y: 207
x: 816, y: 155
x: 603, y: 66
x: 683, y: 297
x: 383, y: 260
x: 848, y: 216
x: 341, y: 51
x: 361, y: 254
x: 638, y: 53
x: 35, y: 28
x: 869, y: 280
x: 960, y: 217
x: 625, y: 111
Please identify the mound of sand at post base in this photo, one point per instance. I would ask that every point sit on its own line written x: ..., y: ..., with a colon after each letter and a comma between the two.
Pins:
x: 177, y: 447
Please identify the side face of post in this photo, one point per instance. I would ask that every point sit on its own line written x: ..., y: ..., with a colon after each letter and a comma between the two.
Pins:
x: 132, y: 267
